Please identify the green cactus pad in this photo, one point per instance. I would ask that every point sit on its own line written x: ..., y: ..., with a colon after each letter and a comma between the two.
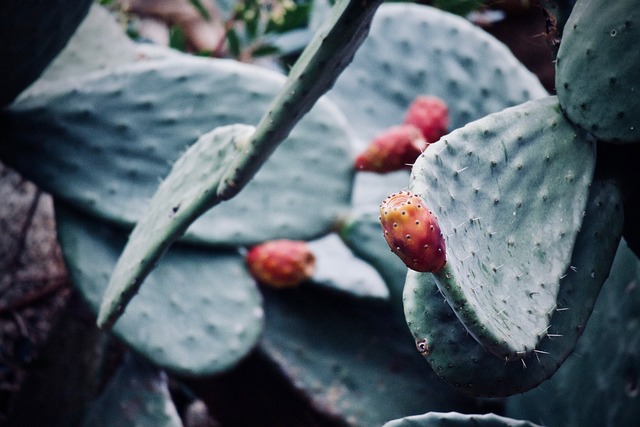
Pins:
x: 185, y: 195
x: 199, y: 312
x: 362, y: 233
x: 598, y: 384
x: 337, y: 268
x: 99, y: 43
x: 598, y: 69
x: 103, y: 143
x: 416, y: 50
x: 331, y: 48
x: 419, y: 50
x: 32, y: 33
x: 462, y: 362
x: 454, y: 419
x: 352, y: 358
x: 138, y: 395
x: 509, y: 192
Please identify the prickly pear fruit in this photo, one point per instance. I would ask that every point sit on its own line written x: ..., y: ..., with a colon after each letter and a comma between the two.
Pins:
x: 430, y: 114
x: 412, y: 232
x: 281, y: 263
x: 394, y: 149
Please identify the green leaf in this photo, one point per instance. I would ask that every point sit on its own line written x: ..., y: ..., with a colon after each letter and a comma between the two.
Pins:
x: 204, y: 13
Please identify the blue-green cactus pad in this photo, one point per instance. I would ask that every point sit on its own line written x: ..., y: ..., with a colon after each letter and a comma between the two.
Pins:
x: 351, y: 357
x: 455, y: 419
x: 32, y: 33
x: 138, y: 395
x: 463, y: 363
x: 509, y: 191
x: 362, y: 233
x: 598, y: 69
x: 598, y: 384
x: 199, y: 313
x: 416, y: 50
x: 186, y: 194
x: 103, y: 142
x: 337, y: 268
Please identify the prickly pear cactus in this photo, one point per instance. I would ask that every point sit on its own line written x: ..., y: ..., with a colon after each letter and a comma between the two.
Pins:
x: 454, y: 419
x: 509, y: 191
x: 137, y: 395
x: 419, y: 50
x: 351, y: 358
x: 466, y: 365
x: 337, y: 268
x: 597, y: 76
x: 200, y: 312
x: 327, y: 54
x: 361, y: 232
x: 598, y: 384
x: 31, y: 35
x: 131, y: 132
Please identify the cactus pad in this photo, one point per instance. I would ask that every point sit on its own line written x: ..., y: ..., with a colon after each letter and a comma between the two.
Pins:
x: 509, y: 191
x: 104, y: 141
x: 417, y: 50
x: 337, y: 268
x: 199, y: 313
x: 598, y: 385
x: 362, y: 233
x: 597, y: 69
x: 181, y: 198
x: 137, y: 395
x: 351, y: 357
x: 462, y: 362
x: 454, y: 419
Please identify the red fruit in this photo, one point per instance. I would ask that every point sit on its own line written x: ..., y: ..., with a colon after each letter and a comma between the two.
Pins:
x: 429, y: 114
x: 281, y: 263
x: 412, y: 232
x: 395, y: 149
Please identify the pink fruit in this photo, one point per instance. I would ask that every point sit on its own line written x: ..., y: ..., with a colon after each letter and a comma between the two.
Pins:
x: 281, y: 263
x: 394, y: 149
x: 412, y: 232
x: 429, y: 114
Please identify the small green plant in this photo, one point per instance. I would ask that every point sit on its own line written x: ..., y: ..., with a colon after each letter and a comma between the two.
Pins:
x: 167, y: 168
